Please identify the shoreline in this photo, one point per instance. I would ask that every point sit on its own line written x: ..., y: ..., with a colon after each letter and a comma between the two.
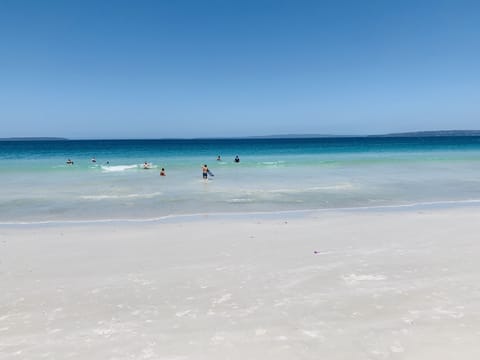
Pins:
x: 195, y: 217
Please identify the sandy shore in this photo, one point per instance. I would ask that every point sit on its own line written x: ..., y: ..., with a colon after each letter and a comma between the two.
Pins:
x: 328, y: 285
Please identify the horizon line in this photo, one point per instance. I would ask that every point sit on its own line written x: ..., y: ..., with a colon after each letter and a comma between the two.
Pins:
x: 429, y: 133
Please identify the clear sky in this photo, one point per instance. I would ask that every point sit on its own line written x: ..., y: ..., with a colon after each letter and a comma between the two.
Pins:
x: 154, y: 69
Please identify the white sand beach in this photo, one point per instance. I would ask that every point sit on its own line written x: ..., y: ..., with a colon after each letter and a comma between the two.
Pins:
x: 327, y: 285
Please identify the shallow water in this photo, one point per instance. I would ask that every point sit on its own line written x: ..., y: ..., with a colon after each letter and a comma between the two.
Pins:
x: 273, y: 175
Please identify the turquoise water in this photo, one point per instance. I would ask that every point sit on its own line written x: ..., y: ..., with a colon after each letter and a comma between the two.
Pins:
x: 273, y: 175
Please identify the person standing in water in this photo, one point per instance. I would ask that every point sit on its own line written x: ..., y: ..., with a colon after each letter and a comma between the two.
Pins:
x: 206, y: 172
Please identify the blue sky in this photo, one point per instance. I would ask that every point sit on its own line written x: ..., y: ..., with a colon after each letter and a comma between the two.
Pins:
x: 154, y: 69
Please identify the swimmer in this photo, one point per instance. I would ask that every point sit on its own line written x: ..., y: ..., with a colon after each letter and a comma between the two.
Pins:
x: 237, y: 159
x: 69, y: 162
x: 219, y: 158
x: 94, y: 160
x: 146, y: 165
x: 162, y: 172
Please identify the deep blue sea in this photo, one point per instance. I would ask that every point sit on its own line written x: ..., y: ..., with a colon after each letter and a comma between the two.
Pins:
x: 273, y: 175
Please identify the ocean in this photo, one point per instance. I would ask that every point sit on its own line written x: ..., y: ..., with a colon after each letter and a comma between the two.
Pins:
x: 36, y: 184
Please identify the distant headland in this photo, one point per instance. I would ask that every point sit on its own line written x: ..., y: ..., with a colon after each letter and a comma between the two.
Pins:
x: 33, y: 139
x: 433, y: 133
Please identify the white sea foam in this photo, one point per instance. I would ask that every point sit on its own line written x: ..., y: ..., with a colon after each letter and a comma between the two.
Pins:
x: 343, y: 186
x: 334, y: 187
x: 118, y: 168
x: 124, y: 196
x: 240, y: 200
x: 272, y: 163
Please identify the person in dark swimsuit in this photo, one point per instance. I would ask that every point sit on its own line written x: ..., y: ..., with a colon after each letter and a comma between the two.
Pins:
x: 205, y: 172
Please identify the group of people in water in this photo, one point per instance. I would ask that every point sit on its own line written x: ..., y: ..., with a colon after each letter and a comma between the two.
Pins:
x: 237, y: 159
x: 206, y: 172
x: 93, y: 160
x: 146, y: 165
